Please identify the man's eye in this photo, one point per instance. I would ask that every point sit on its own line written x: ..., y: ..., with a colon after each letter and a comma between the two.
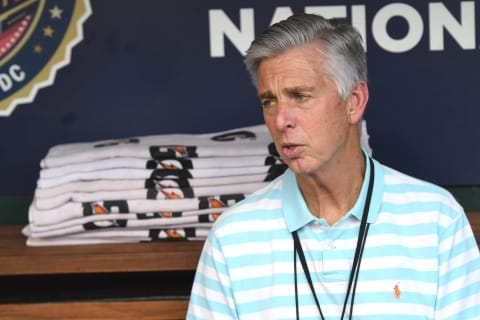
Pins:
x: 266, y: 103
x: 301, y: 97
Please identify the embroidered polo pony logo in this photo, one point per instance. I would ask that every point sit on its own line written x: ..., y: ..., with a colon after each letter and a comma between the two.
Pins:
x: 396, y: 291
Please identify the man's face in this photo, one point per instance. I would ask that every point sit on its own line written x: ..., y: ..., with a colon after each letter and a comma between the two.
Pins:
x: 307, y: 119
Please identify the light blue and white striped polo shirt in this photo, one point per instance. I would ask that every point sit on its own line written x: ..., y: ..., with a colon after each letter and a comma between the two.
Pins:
x: 421, y: 260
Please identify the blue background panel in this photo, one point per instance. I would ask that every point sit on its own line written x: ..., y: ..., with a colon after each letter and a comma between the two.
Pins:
x: 144, y: 67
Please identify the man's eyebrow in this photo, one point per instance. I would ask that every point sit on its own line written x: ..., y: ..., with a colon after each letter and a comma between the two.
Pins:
x: 266, y: 95
x: 293, y: 90
x: 298, y: 89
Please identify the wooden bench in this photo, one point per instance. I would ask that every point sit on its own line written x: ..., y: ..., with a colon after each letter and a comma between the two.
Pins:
x: 474, y: 218
x: 160, y: 261
x: 24, y: 263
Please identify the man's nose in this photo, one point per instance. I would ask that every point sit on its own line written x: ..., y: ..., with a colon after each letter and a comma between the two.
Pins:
x: 285, y: 117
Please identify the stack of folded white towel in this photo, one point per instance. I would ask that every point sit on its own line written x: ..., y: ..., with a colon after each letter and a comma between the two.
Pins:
x: 149, y: 188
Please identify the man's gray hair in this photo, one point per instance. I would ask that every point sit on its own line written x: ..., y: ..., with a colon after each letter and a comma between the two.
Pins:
x: 340, y: 43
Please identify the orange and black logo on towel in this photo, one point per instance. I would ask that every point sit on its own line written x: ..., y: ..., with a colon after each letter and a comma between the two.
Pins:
x: 36, y: 39
x: 104, y: 208
x: 173, y: 152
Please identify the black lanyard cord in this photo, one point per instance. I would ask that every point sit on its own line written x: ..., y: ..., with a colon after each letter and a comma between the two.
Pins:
x: 295, y: 278
x: 356, y: 278
x: 298, y: 248
x: 362, y: 236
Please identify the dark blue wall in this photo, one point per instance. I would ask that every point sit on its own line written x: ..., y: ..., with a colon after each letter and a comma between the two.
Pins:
x: 144, y: 67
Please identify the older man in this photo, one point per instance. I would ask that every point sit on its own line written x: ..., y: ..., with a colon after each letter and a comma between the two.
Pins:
x: 338, y: 235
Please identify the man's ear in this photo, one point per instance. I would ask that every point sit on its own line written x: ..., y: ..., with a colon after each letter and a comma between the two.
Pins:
x: 357, y: 102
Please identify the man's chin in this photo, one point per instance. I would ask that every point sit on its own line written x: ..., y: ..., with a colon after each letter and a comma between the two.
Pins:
x: 298, y: 166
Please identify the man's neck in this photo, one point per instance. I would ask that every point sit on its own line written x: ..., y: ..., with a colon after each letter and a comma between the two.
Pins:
x: 330, y: 195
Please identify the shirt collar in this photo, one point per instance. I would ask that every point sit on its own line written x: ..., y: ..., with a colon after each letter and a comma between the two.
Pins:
x: 295, y: 209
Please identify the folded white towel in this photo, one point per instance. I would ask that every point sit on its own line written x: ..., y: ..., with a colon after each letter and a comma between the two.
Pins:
x: 253, y: 140
x: 156, y: 174
x: 72, y: 210
x: 139, y: 194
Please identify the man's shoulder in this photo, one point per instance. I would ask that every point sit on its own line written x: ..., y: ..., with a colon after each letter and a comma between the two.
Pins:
x: 403, y: 188
x: 393, y: 177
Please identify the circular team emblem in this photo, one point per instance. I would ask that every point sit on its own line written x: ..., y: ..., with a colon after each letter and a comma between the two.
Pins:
x: 36, y: 39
